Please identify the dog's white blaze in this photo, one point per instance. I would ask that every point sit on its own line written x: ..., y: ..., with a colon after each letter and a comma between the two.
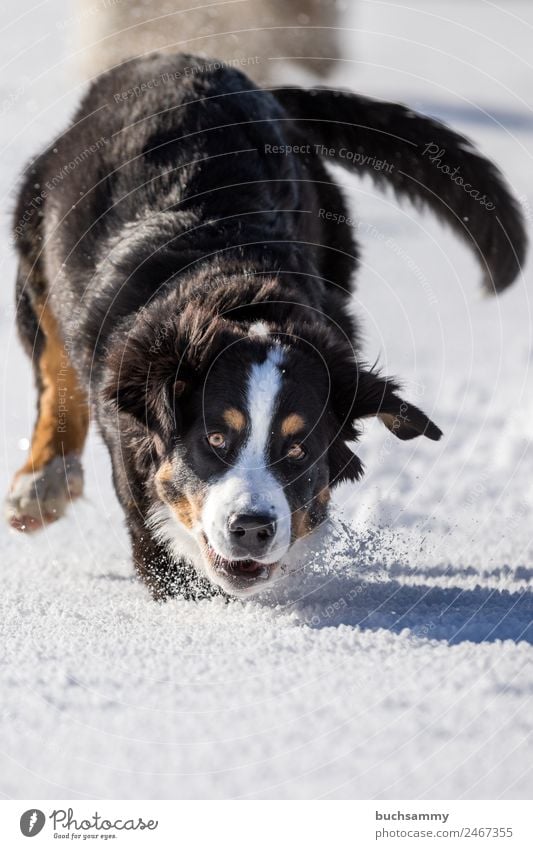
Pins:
x: 259, y: 328
x: 249, y: 486
x: 263, y: 390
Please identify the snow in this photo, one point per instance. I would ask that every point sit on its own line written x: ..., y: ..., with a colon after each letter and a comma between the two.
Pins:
x: 399, y: 665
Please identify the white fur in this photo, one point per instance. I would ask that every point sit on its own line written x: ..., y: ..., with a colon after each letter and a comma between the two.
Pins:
x: 172, y: 533
x: 249, y: 486
x: 259, y: 328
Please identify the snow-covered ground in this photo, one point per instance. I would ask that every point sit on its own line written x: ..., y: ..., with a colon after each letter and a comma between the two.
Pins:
x: 401, y: 664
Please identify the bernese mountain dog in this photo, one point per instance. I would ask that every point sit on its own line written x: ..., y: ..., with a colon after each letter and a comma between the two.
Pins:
x: 185, y: 275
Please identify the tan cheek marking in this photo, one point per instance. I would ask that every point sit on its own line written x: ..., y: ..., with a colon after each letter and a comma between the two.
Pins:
x: 234, y: 419
x: 292, y: 425
x: 188, y: 509
x: 324, y: 496
x: 164, y: 473
x: 301, y: 523
x: 162, y: 478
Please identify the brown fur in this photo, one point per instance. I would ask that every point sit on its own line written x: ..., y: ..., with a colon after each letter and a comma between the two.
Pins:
x: 165, y: 473
x: 324, y: 496
x: 188, y: 509
x: 235, y: 419
x: 63, y: 412
x: 292, y: 425
x: 301, y: 523
x: 164, y: 482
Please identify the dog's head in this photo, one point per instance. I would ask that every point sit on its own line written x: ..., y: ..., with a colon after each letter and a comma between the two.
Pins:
x: 248, y: 428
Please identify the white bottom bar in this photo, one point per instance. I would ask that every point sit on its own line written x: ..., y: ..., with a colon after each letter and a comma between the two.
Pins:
x: 268, y: 824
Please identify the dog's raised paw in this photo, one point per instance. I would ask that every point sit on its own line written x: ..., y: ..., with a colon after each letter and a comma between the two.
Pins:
x: 38, y: 498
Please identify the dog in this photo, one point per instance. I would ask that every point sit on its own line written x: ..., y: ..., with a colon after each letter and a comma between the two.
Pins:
x: 265, y: 38
x: 186, y: 265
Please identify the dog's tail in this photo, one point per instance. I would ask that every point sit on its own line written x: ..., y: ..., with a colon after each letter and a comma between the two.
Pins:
x: 424, y: 161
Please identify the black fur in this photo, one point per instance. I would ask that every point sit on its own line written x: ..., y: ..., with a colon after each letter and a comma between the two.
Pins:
x: 181, y: 227
x: 486, y: 216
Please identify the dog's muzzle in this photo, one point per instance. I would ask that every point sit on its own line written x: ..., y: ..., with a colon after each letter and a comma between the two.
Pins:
x: 251, y: 535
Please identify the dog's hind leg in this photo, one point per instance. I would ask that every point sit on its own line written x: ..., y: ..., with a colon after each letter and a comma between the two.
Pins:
x: 52, y: 474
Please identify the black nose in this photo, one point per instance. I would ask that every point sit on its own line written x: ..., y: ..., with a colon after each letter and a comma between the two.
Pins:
x: 250, y: 534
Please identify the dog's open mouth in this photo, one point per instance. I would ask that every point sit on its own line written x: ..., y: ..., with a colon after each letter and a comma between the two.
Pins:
x: 245, y: 570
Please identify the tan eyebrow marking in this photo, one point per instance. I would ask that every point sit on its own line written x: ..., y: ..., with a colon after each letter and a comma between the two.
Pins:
x: 292, y: 425
x: 234, y: 418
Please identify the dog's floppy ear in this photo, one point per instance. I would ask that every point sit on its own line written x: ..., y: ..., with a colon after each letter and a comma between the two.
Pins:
x: 147, y: 374
x: 358, y: 393
x: 377, y: 396
x: 148, y: 394
x: 151, y: 371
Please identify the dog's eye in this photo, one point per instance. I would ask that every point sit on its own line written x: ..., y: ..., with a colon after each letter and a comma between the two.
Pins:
x: 216, y: 440
x: 296, y: 451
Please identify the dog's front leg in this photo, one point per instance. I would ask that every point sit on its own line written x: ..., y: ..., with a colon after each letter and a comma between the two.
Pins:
x: 164, y: 574
x: 155, y: 565
x: 162, y: 570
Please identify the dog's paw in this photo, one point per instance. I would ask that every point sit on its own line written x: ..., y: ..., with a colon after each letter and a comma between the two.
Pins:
x: 41, y: 497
